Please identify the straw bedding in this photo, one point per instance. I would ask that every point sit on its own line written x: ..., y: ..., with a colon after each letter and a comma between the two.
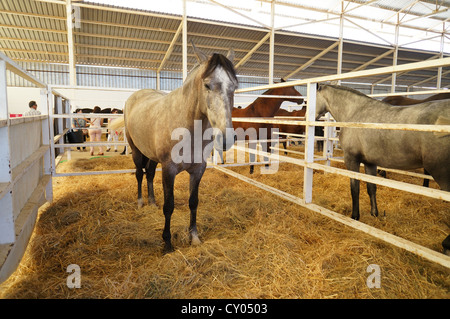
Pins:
x: 255, y: 245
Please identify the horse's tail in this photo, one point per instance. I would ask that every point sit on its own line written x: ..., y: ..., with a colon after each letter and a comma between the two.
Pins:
x: 442, y: 121
x: 118, y: 124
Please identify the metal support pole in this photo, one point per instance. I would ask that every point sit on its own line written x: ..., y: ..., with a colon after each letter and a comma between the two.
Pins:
x: 341, y: 44
x: 272, y: 41
x: 184, y: 36
x: 309, y: 143
x: 441, y: 55
x: 395, y: 57
x: 71, y: 47
x: 341, y: 41
x: 158, y: 80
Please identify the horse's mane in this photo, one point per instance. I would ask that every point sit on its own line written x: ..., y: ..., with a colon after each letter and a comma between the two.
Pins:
x: 219, y: 59
x: 346, y: 88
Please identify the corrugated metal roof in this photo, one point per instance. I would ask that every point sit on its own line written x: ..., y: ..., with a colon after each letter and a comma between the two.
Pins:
x: 35, y: 31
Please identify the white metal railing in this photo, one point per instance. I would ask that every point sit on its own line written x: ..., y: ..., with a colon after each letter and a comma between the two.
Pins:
x: 25, y: 171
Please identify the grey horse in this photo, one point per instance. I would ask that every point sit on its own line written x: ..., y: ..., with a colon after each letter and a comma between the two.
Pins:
x: 397, y: 149
x: 154, y: 120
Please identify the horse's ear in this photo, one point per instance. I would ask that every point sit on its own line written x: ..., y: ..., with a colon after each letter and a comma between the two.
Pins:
x: 318, y: 87
x: 230, y: 55
x: 200, y: 55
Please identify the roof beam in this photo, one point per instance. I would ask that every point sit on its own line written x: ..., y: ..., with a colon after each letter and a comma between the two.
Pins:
x: 434, y: 12
x: 367, y: 30
x: 34, y: 15
x: 33, y: 51
x: 32, y: 28
x: 365, y: 65
x: 359, y: 5
x: 34, y: 41
x: 240, y: 14
x: 93, y: 56
x: 253, y: 50
x: 305, y: 23
x: 402, y: 73
x: 312, y: 60
x: 428, y: 79
x: 171, y: 46
x: 408, y: 6
x: 293, y: 5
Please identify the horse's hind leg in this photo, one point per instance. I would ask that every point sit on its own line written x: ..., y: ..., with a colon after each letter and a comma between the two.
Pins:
x: 426, y: 181
x: 150, y: 173
x: 441, y: 175
x: 353, y: 165
x: 140, y: 161
x: 168, y: 180
x: 195, y: 178
x: 372, y: 189
x: 139, y: 175
x: 446, y: 245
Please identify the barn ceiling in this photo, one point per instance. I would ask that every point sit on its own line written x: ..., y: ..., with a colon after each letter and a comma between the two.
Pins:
x: 105, y: 35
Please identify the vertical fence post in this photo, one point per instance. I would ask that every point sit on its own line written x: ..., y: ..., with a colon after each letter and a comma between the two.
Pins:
x: 309, y: 142
x: 47, y: 140
x: 328, y: 144
x: 51, y: 126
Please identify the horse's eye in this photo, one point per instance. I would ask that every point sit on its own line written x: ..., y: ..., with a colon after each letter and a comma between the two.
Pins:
x: 207, y: 87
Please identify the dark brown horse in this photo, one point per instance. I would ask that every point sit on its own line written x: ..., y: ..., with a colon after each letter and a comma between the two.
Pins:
x: 262, y: 107
x: 403, y: 100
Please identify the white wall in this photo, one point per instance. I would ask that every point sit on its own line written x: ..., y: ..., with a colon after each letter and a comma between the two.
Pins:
x: 19, y: 97
x: 88, y: 98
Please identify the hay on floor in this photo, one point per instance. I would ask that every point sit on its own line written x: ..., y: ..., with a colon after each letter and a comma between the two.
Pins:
x: 255, y: 245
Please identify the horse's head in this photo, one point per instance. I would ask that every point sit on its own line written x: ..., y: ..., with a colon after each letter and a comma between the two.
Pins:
x: 217, y: 83
x: 322, y: 106
x: 288, y: 91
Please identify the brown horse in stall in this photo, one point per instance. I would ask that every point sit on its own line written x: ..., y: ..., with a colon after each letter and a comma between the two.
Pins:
x: 293, y: 129
x: 262, y: 107
x: 402, y: 101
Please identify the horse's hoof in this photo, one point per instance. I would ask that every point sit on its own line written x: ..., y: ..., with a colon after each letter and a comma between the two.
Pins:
x: 168, y: 248
x: 140, y: 203
x: 195, y: 241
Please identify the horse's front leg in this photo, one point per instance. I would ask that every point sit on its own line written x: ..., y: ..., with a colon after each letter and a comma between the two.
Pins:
x: 372, y: 189
x: 353, y: 165
x: 168, y: 179
x: 195, y: 178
